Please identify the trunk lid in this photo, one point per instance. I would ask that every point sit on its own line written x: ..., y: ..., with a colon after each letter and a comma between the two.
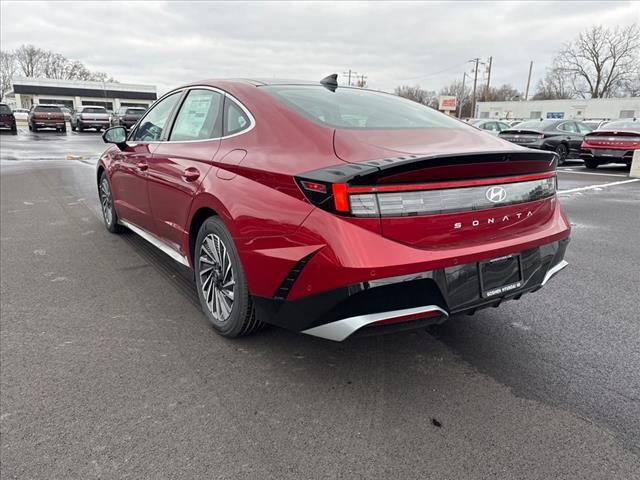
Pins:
x: 613, y: 139
x: 438, y: 189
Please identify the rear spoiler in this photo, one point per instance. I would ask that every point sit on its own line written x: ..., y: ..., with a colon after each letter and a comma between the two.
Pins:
x: 371, y: 170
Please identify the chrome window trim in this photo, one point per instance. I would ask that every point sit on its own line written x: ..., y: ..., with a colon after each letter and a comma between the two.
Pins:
x: 156, y: 242
x: 341, y: 329
x: 247, y: 112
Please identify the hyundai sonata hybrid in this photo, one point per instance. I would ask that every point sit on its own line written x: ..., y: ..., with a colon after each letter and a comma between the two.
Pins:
x: 332, y: 210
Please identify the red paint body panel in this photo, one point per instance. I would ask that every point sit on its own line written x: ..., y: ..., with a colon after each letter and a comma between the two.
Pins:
x: 248, y: 180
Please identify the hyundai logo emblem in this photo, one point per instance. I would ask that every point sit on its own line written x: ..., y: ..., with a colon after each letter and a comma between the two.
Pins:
x: 496, y: 194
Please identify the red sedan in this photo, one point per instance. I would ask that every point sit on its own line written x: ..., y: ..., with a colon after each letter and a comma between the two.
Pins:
x: 614, y: 142
x: 332, y: 210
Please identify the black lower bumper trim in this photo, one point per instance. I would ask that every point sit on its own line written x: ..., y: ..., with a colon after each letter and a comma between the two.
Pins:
x: 454, y: 290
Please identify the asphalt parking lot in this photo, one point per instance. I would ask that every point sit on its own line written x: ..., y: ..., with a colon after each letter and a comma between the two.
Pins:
x: 109, y: 370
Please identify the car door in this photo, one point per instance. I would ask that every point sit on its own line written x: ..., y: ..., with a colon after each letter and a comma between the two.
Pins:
x: 129, y: 172
x: 573, y: 136
x: 179, y: 164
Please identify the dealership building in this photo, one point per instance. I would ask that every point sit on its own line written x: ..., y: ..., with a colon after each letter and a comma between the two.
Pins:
x: 75, y: 93
x: 579, y: 109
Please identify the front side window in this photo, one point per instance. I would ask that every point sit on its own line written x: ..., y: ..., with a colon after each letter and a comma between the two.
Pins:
x: 4, y: 109
x: 235, y: 120
x: 153, y: 124
x: 199, y: 117
x: 355, y: 108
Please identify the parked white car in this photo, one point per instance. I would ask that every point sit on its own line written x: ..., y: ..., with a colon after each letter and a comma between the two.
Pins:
x: 21, y: 114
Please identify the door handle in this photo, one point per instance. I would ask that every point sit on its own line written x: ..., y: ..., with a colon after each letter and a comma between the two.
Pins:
x: 142, y: 166
x: 190, y: 174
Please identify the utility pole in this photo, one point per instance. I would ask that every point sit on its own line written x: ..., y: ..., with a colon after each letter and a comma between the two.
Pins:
x: 526, y: 92
x: 475, y: 82
x: 348, y: 75
x: 362, y: 82
x: 464, y: 77
x: 486, y: 88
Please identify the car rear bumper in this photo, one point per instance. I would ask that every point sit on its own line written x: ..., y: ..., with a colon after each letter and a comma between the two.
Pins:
x: 48, y: 124
x: 611, y: 156
x: 407, y: 301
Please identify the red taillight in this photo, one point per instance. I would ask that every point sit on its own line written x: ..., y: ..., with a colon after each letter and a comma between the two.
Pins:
x: 341, y: 197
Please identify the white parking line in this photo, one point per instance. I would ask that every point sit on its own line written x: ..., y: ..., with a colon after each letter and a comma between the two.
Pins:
x: 568, y: 170
x: 593, y: 187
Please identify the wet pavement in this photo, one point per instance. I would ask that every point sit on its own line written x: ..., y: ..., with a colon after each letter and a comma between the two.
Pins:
x: 109, y: 370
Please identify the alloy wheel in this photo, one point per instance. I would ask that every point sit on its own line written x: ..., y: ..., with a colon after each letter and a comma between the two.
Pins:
x: 216, y: 277
x: 105, y: 200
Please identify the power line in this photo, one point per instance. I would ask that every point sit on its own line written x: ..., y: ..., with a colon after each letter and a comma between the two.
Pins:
x: 434, y: 73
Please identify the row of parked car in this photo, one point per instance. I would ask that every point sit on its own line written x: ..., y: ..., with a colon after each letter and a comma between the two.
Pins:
x: 83, y: 118
x: 596, y: 142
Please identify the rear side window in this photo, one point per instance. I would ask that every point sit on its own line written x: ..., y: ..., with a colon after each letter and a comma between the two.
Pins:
x: 359, y: 109
x: 4, y: 109
x: 47, y: 108
x: 199, y: 117
x: 568, y: 127
x: 152, y: 125
x: 235, y: 120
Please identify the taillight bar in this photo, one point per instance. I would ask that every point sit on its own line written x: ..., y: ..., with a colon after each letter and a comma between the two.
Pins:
x: 450, y: 184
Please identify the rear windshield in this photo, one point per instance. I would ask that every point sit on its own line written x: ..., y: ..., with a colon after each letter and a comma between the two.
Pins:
x: 359, y: 109
x: 535, y: 125
x: 48, y: 108
x: 94, y: 110
x: 134, y: 111
x: 4, y: 109
x: 621, y: 124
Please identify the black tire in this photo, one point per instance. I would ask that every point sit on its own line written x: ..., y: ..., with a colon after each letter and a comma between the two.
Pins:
x: 80, y: 127
x: 34, y: 128
x: 563, y: 152
x: 73, y: 128
x: 109, y: 214
x: 64, y: 129
x: 215, y: 242
x: 14, y: 130
x: 591, y: 164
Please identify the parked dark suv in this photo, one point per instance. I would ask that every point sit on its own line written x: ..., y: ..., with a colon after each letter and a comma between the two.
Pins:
x: 7, y: 119
x: 127, y: 117
x: 46, y: 116
x: 561, y: 136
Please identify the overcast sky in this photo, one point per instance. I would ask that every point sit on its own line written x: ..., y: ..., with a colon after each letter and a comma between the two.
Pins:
x: 168, y: 44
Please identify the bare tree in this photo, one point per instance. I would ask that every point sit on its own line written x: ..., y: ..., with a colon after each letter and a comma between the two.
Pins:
x: 29, y: 59
x: 417, y: 94
x: 554, y: 86
x: 54, y: 65
x: 503, y: 93
x: 7, y: 71
x: 601, y: 60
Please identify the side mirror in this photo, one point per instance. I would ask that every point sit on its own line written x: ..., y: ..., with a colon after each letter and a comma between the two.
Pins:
x: 116, y: 135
